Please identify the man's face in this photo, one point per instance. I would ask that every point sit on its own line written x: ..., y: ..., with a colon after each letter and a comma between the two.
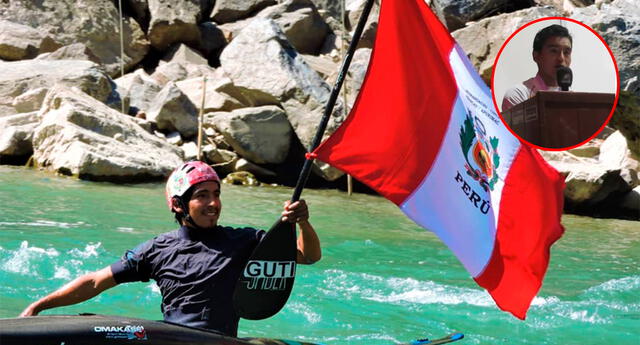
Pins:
x: 205, y: 204
x: 555, y: 52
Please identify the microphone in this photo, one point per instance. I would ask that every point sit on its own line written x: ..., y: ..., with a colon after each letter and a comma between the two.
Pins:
x: 564, y: 76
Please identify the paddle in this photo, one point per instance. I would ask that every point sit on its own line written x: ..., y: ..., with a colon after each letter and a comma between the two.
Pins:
x: 266, y: 282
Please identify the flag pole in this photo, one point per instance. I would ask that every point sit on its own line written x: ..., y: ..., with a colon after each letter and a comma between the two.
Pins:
x: 250, y: 299
x: 306, y: 168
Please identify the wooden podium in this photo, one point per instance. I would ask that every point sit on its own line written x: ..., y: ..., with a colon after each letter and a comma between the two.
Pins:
x: 559, y: 119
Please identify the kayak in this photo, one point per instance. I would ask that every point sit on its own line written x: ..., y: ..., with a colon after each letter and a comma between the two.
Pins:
x: 117, y: 330
x: 111, y: 330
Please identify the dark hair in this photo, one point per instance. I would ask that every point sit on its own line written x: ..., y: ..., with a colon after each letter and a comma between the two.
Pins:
x: 554, y: 30
x: 184, y: 200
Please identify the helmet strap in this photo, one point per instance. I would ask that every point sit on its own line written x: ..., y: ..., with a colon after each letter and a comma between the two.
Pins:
x: 187, y: 218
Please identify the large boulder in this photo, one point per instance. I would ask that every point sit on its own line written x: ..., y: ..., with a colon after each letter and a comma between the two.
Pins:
x: 94, y: 23
x: 298, y: 19
x: 619, y: 24
x: 16, y: 132
x: 172, y: 111
x: 215, y: 99
x: 261, y: 135
x: 138, y: 90
x: 18, y: 41
x: 353, y: 11
x: 82, y: 137
x: 175, y: 22
x: 226, y: 11
x: 455, y: 14
x: 22, y: 77
x: 75, y: 51
x: 181, y: 63
x: 301, y: 23
x: 597, y: 186
x: 262, y: 63
x: 482, y: 40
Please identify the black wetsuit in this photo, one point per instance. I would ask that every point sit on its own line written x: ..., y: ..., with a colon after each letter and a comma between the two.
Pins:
x: 196, y: 271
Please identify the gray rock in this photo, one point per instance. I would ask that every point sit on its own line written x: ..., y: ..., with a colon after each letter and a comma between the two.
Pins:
x: 301, y: 23
x: 482, y: 40
x: 214, y: 100
x: 138, y: 89
x: 183, y: 54
x: 614, y: 152
x: 244, y: 165
x: 174, y: 138
x: 190, y: 150
x: 587, y: 181
x: 179, y: 69
x: 261, y: 62
x: 329, y: 9
x: 94, y: 23
x: 354, y: 11
x: 75, y: 51
x: 174, y: 22
x: 298, y: 19
x: 172, y: 111
x: 21, y: 77
x: 30, y: 100
x: 82, y: 137
x: 241, y: 178
x: 357, y: 72
x: 618, y: 23
x: 457, y: 13
x: 18, y: 42
x: 170, y: 72
x: 16, y: 132
x: 226, y: 11
x: 223, y: 161
x: 324, y: 65
x: 262, y: 134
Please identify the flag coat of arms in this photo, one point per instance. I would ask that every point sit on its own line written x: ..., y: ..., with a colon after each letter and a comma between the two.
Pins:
x: 423, y: 133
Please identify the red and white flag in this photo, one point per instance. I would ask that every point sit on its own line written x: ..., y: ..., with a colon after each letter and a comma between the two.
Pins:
x: 425, y: 135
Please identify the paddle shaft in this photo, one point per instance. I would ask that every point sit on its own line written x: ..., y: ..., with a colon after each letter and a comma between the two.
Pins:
x: 306, y: 168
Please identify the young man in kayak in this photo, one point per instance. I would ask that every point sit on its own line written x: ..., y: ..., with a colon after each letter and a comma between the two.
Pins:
x: 196, y: 266
x: 551, y: 49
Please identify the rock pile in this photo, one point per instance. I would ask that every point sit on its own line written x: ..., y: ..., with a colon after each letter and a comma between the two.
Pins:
x: 265, y: 68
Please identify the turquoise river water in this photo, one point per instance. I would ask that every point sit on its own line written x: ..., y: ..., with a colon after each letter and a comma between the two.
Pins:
x: 382, y: 279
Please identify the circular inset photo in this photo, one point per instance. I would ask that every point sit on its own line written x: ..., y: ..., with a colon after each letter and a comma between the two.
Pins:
x: 555, y: 83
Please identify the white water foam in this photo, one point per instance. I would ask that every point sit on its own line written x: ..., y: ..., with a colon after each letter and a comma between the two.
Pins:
x: 428, y: 292
x: 400, y: 290
x: 90, y: 250
x: 616, y: 285
x: 23, y: 260
x: 305, y: 311
x: 62, y: 273
x: 46, y: 223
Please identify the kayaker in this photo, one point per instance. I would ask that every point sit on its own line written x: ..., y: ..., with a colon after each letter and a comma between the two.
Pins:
x: 197, y: 266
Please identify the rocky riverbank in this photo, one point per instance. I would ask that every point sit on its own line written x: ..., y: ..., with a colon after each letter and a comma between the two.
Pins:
x: 266, y: 68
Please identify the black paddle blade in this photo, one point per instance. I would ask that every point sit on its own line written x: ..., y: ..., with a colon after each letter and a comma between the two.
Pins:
x: 266, y: 282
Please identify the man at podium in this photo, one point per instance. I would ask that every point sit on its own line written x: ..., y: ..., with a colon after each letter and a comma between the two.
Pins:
x: 551, y: 50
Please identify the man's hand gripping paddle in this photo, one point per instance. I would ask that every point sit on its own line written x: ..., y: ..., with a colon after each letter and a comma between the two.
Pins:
x: 266, y: 282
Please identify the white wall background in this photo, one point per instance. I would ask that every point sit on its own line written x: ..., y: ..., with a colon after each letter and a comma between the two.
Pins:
x: 592, y: 66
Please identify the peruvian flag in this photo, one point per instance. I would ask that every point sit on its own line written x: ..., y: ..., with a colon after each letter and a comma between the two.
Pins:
x: 424, y: 134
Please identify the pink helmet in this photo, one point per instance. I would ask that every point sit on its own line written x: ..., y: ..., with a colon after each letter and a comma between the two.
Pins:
x: 187, y: 175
